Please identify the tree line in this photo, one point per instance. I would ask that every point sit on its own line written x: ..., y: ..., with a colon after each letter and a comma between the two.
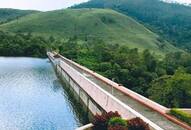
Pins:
x: 22, y: 45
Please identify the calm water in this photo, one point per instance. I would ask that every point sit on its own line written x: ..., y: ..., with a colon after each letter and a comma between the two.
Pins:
x: 31, y: 97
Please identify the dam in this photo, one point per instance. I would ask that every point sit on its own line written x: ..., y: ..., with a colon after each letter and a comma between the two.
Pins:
x: 103, y: 95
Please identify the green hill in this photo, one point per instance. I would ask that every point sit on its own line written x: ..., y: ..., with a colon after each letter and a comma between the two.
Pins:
x: 170, y: 21
x: 104, y: 24
x: 11, y: 14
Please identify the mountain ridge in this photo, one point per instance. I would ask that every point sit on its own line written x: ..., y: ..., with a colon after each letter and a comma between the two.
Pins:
x: 105, y: 24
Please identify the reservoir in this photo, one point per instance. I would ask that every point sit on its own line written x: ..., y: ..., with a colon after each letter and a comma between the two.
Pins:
x: 32, y: 98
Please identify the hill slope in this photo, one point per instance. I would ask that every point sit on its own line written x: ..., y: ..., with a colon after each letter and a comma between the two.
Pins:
x: 107, y: 25
x: 11, y: 14
x: 171, y: 21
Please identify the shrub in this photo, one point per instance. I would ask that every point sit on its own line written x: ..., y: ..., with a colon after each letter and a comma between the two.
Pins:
x: 117, y: 127
x: 181, y: 115
x: 137, y: 124
x: 111, y: 114
x: 101, y: 121
x: 117, y: 121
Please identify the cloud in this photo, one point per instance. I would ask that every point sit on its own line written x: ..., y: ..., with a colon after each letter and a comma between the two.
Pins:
x: 39, y: 4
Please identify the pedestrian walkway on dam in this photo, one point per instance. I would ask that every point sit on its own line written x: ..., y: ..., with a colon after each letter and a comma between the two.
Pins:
x: 150, y: 114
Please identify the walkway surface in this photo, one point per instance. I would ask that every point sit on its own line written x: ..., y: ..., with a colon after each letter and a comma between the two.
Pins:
x: 150, y: 114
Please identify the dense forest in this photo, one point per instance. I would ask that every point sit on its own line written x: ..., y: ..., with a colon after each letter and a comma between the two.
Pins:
x: 166, y: 80
x: 171, y: 21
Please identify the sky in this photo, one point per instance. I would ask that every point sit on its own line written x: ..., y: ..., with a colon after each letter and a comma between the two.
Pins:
x: 43, y: 5
x: 46, y: 5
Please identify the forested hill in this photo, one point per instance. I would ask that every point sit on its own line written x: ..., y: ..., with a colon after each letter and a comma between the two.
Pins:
x: 87, y: 25
x: 11, y: 14
x: 106, y: 42
x: 171, y: 21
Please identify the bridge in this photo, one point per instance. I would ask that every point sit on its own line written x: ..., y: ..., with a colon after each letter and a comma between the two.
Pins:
x: 100, y: 94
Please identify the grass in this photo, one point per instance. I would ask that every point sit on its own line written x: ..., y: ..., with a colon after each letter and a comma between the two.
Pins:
x: 104, y: 24
x: 181, y: 115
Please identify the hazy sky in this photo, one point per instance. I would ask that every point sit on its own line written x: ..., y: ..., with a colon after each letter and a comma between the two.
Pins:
x: 38, y: 4
x: 47, y: 4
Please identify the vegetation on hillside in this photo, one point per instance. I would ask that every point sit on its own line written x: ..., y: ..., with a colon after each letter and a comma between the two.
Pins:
x: 89, y: 24
x: 171, y: 21
x: 22, y: 45
x: 166, y: 81
x: 109, y: 43
x: 7, y: 15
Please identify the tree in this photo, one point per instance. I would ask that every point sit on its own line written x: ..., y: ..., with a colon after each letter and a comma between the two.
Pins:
x: 149, y: 61
x: 69, y: 49
x: 172, y: 91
